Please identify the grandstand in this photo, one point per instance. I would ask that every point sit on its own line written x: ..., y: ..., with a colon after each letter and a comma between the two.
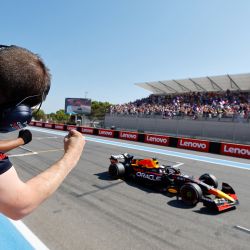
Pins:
x: 212, y: 107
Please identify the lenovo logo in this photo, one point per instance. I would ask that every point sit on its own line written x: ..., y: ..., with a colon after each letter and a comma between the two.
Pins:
x: 128, y: 136
x: 105, y: 133
x: 108, y: 133
x: 156, y: 139
x: 87, y: 130
x: 59, y: 127
x: 241, y: 151
x: 236, y: 150
x: 190, y: 144
x: 71, y: 127
x: 48, y: 125
x: 193, y: 144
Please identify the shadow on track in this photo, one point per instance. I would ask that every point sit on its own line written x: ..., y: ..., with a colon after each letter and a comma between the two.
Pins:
x: 203, y: 210
x: 207, y: 211
x: 104, y: 176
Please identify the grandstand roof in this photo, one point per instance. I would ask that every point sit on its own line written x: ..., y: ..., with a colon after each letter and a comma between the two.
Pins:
x: 199, y: 84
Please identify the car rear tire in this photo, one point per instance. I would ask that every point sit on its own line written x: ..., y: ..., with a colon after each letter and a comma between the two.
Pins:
x: 209, y: 179
x: 117, y: 170
x: 191, y: 194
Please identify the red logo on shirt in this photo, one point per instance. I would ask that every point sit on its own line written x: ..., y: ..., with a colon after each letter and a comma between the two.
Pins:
x: 3, y: 156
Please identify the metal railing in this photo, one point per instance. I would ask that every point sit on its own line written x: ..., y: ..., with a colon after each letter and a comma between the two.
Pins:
x: 204, y: 117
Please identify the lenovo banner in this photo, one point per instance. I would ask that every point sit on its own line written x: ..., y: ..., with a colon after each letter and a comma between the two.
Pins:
x: 157, y: 139
x: 193, y: 144
x: 70, y: 127
x: 59, y: 126
x: 130, y: 136
x: 89, y: 131
x: 48, y: 125
x: 31, y: 123
x: 236, y: 150
x: 106, y: 132
x: 39, y: 124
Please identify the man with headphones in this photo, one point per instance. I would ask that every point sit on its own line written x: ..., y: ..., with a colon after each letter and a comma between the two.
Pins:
x: 25, y: 83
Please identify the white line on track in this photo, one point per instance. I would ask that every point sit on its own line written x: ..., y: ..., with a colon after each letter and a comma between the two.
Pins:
x: 47, y: 137
x: 28, y: 235
x: 25, y: 154
x: 27, y: 149
x: 243, y: 229
x: 38, y: 152
x: 178, y: 164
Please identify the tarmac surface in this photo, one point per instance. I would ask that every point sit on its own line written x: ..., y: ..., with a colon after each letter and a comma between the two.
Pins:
x: 91, y: 211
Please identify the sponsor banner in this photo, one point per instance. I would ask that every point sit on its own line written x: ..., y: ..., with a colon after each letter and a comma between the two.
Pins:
x: 70, y: 127
x: 39, y: 124
x: 193, y: 144
x: 106, y: 132
x: 236, y: 150
x: 48, y: 125
x: 59, y: 126
x: 31, y: 123
x: 131, y: 136
x: 89, y: 131
x: 157, y: 139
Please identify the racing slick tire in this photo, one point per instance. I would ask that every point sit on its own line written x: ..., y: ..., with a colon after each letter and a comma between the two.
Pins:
x: 191, y: 194
x: 209, y: 179
x: 117, y: 170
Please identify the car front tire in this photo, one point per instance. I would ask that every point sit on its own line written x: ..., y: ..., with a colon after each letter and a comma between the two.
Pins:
x: 191, y: 194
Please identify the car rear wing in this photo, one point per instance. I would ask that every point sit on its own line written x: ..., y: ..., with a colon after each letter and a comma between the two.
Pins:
x: 117, y: 157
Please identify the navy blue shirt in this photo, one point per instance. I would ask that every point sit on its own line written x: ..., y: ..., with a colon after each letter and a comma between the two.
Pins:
x: 5, y: 163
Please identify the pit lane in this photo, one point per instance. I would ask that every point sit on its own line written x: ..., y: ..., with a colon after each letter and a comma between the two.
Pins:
x: 90, y: 211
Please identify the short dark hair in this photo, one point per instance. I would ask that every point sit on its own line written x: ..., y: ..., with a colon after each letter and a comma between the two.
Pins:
x: 22, y: 74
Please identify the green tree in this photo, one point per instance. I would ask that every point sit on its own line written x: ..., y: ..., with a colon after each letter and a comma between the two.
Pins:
x: 51, y: 117
x: 99, y: 109
x: 60, y: 116
x: 38, y: 115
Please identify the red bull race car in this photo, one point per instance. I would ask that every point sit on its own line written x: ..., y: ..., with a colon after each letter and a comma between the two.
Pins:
x: 173, y: 182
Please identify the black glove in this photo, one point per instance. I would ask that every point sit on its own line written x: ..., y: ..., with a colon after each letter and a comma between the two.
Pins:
x: 26, y: 135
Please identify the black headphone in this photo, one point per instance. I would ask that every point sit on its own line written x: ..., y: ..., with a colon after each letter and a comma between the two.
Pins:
x: 17, y: 116
x: 14, y: 118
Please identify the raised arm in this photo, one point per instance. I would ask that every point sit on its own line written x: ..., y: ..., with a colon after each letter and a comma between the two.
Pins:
x: 18, y: 199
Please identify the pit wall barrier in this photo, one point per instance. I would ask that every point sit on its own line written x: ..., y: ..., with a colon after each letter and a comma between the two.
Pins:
x: 223, y: 148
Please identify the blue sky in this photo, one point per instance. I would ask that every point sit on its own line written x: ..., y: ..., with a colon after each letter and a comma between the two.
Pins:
x: 99, y: 48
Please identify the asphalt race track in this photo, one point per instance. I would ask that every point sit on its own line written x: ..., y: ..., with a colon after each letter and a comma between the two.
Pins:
x: 90, y: 211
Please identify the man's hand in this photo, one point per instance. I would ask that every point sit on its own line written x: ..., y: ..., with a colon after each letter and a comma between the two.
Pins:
x: 73, y: 144
x: 26, y: 135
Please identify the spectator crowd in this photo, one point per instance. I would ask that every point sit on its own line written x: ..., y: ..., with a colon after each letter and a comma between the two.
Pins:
x: 194, y: 105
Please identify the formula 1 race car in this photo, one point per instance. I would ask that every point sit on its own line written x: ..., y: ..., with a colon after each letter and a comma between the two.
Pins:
x: 174, y: 183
